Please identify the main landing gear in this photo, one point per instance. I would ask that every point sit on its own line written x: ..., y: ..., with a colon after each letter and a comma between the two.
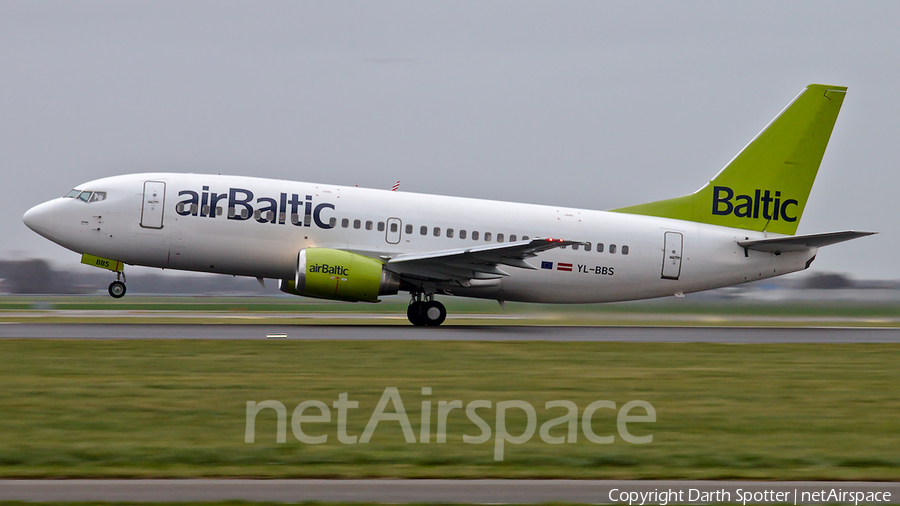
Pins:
x: 117, y: 287
x: 427, y: 312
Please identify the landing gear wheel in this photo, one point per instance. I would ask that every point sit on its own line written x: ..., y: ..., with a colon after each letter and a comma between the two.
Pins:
x: 433, y: 313
x: 117, y: 289
x: 414, y: 313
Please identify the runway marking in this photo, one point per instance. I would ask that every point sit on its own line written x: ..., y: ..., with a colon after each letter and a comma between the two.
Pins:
x: 374, y: 332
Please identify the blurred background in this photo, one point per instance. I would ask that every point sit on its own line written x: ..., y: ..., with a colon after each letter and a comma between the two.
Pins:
x: 40, y: 277
x: 585, y: 104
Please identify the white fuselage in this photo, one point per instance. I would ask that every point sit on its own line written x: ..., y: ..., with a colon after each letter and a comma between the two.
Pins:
x: 181, y: 232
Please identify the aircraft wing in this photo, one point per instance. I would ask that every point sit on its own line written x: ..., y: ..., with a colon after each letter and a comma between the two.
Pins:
x: 780, y: 245
x: 478, y: 262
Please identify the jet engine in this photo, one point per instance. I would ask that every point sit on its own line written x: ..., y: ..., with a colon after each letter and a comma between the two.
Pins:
x: 334, y: 274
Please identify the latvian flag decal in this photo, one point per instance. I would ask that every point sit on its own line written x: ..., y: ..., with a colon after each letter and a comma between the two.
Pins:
x: 564, y: 267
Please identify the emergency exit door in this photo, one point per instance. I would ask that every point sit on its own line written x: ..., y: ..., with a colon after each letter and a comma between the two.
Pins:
x: 153, y: 204
x: 671, y: 267
x: 392, y: 233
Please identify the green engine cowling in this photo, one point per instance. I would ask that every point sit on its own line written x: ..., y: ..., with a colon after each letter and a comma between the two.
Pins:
x: 334, y: 274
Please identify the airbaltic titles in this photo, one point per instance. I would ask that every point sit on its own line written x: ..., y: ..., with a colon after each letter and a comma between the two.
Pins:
x: 204, y: 204
x: 751, y: 206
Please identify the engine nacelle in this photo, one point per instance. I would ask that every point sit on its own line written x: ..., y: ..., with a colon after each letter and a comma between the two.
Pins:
x: 334, y: 274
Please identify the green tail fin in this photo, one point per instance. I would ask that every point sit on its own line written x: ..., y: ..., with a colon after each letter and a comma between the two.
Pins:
x: 765, y: 187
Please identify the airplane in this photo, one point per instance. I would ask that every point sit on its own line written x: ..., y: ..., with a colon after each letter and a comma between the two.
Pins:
x: 357, y: 244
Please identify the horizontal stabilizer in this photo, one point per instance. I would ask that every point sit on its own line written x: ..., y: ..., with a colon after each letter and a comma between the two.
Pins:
x: 801, y: 242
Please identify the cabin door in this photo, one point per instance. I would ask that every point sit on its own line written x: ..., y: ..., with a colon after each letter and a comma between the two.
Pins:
x: 671, y: 267
x: 154, y: 202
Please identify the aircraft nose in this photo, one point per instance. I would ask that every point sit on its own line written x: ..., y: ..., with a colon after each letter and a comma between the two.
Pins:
x: 40, y: 218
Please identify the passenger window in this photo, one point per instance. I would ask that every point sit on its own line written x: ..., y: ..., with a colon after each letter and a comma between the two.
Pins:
x: 98, y: 196
x: 206, y: 210
x: 357, y: 224
x: 599, y: 247
x: 409, y: 229
x: 612, y: 248
x: 487, y: 236
x: 244, y: 213
x: 345, y: 223
x: 381, y: 226
x: 624, y: 250
x: 194, y: 210
x: 84, y: 196
x: 179, y: 208
x: 281, y: 215
x: 474, y: 235
x: 499, y: 237
x: 437, y: 231
x: 512, y: 238
x: 575, y: 246
x: 449, y: 232
x: 332, y: 222
x: 394, y: 227
x: 423, y: 230
x: 220, y: 212
x: 524, y: 237
x: 462, y: 234
x: 587, y: 246
x: 368, y: 225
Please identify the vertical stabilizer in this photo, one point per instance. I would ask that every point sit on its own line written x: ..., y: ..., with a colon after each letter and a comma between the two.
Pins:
x: 766, y: 186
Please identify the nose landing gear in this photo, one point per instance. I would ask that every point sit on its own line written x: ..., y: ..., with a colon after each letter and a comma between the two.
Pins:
x: 117, y: 287
x: 427, y: 312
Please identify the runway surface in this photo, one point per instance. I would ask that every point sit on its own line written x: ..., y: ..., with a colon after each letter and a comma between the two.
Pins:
x: 443, y: 491
x: 455, y: 333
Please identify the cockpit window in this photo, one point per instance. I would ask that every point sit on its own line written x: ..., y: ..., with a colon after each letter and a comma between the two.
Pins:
x: 87, y: 196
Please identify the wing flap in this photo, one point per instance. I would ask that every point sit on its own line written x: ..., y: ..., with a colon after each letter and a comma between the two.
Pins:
x: 490, y: 253
x: 475, y: 262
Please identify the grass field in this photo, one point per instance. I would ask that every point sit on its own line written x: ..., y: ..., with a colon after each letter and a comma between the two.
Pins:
x: 178, y: 408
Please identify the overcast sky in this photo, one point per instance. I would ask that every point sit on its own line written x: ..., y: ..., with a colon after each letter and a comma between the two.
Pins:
x: 585, y: 104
